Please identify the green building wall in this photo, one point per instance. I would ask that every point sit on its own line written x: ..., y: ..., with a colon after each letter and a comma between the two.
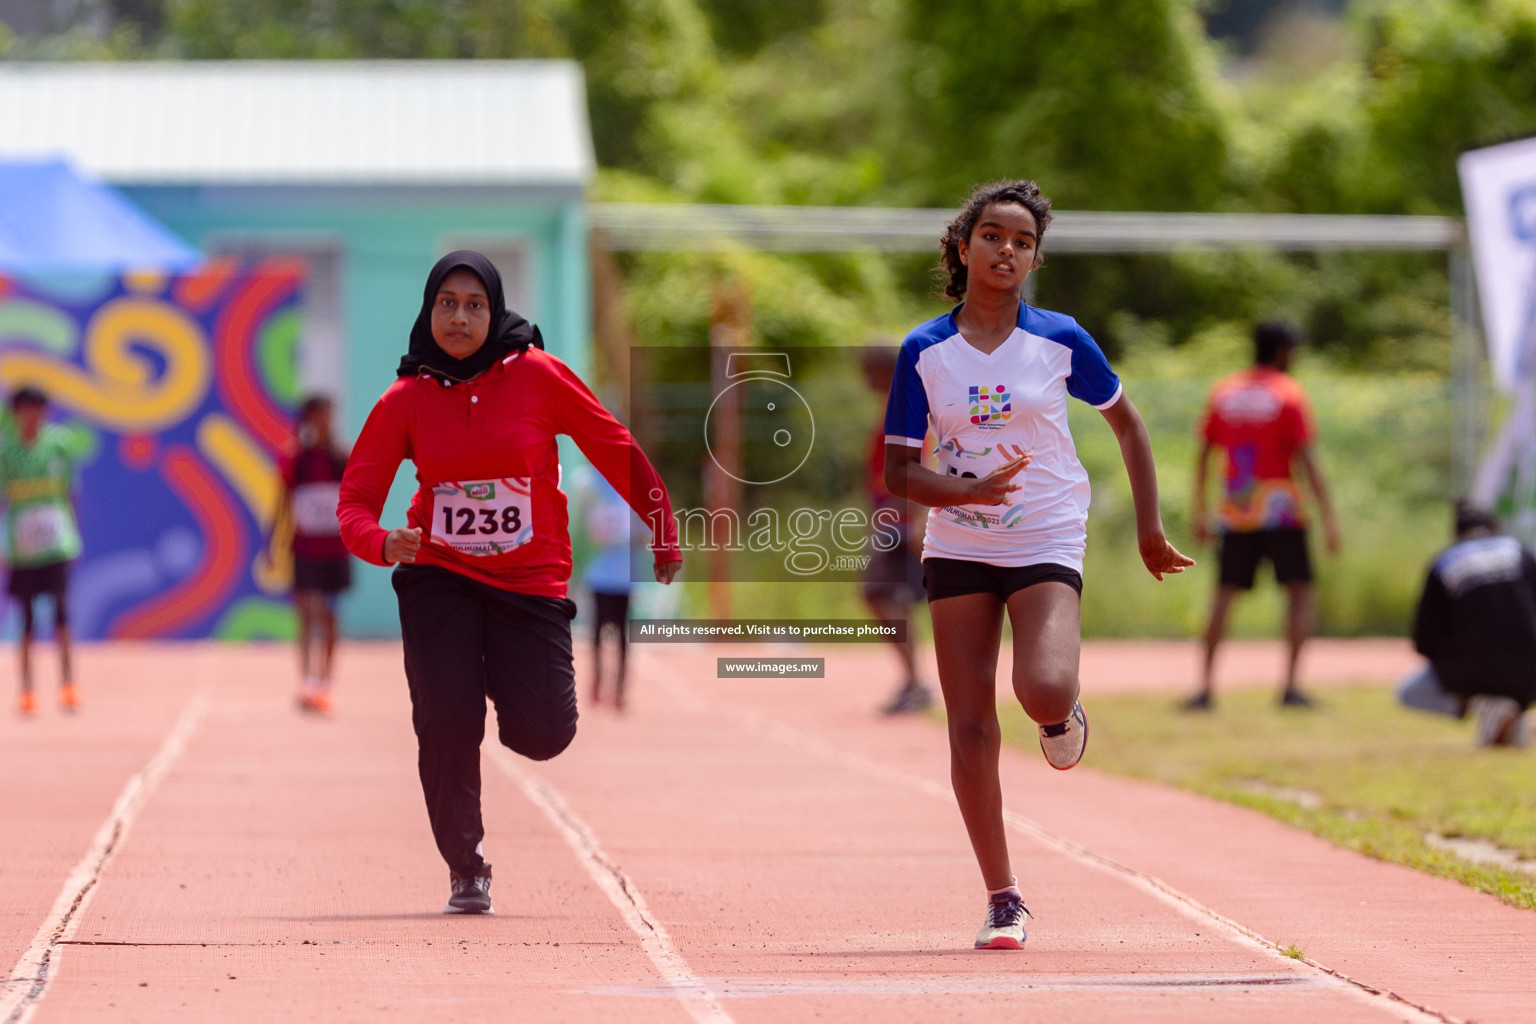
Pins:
x: 388, y: 238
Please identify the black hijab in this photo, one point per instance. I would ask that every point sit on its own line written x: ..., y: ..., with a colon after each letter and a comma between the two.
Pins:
x: 509, y: 332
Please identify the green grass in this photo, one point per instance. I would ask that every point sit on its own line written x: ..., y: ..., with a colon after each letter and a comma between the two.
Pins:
x: 1382, y: 776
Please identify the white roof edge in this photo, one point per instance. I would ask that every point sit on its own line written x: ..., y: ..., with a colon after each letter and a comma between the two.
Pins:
x: 190, y: 66
x: 301, y: 122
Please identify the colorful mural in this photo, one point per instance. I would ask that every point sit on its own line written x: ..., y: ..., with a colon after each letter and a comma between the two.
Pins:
x: 186, y: 385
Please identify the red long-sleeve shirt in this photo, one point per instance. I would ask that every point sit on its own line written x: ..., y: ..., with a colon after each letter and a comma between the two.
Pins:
x: 489, y: 503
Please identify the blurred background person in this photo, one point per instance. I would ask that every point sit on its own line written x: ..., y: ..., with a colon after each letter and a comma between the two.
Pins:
x: 611, y: 530
x: 322, y: 569
x: 1476, y: 625
x: 893, y: 582
x: 37, y: 462
x: 1262, y: 418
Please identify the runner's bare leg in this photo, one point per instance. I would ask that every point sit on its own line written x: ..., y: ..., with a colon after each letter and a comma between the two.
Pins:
x: 1298, y: 627
x: 1047, y: 643
x: 967, y: 630
x: 1215, y: 632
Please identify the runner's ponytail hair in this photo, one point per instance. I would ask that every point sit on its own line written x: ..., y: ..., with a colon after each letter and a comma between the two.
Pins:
x: 1025, y: 193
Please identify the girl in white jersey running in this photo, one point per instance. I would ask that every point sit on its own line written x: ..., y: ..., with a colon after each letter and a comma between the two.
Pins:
x: 1009, y: 506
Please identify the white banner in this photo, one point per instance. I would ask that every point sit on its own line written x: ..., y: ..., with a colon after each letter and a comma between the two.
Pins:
x: 1498, y: 187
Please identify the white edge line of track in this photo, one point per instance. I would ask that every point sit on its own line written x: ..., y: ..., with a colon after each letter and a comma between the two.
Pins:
x: 28, y: 980
x: 790, y: 736
x: 697, y: 997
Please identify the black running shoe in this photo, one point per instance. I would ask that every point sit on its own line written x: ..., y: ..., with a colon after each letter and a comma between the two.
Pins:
x: 1296, y: 699
x: 471, y: 894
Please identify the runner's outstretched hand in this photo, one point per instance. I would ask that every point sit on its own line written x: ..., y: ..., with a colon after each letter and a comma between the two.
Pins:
x: 402, y: 544
x: 994, y: 488
x: 666, y: 572
x: 1160, y: 556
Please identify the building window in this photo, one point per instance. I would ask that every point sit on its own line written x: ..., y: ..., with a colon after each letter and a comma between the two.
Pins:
x: 322, y: 355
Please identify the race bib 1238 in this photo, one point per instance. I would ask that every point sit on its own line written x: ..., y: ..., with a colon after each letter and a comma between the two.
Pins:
x: 483, y: 517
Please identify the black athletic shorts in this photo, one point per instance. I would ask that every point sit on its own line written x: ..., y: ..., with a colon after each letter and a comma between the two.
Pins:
x: 1241, y: 554
x: 327, y: 575
x: 52, y: 578
x: 952, y: 577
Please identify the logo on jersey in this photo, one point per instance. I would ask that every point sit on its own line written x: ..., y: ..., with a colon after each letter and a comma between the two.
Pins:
x: 480, y: 492
x: 990, y: 405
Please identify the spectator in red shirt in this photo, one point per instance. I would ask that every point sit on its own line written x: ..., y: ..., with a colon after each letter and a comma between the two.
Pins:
x: 322, y: 569
x: 1262, y: 419
x: 482, y: 564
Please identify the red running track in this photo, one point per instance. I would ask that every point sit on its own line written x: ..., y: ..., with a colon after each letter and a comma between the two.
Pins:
x: 190, y: 848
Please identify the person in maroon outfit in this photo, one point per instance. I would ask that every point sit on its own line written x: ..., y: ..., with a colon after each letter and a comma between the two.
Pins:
x: 482, y: 564
x: 322, y: 569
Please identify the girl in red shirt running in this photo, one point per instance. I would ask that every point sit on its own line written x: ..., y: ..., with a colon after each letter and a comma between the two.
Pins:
x: 482, y: 564
x: 322, y: 570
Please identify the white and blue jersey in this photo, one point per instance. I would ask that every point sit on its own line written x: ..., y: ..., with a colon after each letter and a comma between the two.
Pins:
x: 988, y: 409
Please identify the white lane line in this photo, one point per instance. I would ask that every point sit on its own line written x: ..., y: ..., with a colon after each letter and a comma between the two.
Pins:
x: 973, y: 985
x: 700, y: 999
x: 28, y: 980
x: 1382, y: 999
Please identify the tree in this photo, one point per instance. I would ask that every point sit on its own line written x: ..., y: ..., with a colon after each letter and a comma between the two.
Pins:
x: 1444, y: 76
x: 1109, y: 102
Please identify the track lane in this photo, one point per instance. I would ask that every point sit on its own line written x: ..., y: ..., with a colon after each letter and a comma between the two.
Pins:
x: 61, y: 774
x: 797, y: 888
x: 40, y: 963
x: 1426, y: 940
x: 285, y: 871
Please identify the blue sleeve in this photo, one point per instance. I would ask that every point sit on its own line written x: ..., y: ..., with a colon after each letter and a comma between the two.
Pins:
x: 1091, y: 379
x: 906, y: 412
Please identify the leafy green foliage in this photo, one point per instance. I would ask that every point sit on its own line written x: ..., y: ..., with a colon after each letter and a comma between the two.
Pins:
x: 1064, y: 91
x: 746, y: 26
x: 253, y: 29
x: 1110, y: 104
x: 1445, y: 75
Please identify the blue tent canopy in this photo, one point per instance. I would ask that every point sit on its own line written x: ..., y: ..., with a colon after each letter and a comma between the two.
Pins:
x: 54, y: 221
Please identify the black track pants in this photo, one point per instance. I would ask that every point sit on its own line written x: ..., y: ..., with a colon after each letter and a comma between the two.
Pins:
x: 464, y: 641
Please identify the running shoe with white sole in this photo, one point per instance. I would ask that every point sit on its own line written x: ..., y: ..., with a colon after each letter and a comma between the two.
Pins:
x: 1497, y: 719
x: 1003, y: 927
x: 471, y: 894
x: 1519, y: 734
x: 1063, y: 744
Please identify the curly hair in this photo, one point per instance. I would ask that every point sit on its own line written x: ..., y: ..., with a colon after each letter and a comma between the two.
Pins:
x: 1025, y: 193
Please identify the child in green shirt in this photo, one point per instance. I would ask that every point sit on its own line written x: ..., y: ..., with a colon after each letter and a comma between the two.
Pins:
x: 36, y: 470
